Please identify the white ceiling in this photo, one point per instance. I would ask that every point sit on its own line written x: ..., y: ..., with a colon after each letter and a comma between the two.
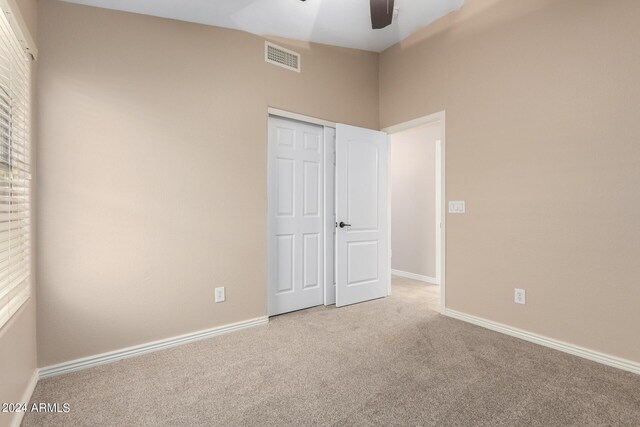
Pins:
x: 344, y: 23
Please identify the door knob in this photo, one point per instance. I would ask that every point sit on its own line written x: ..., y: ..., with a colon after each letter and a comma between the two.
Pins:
x: 343, y: 225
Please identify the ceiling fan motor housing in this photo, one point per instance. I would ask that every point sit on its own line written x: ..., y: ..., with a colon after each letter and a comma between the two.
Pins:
x: 381, y: 13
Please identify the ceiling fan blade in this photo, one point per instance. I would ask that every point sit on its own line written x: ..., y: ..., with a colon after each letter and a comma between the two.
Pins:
x: 381, y: 13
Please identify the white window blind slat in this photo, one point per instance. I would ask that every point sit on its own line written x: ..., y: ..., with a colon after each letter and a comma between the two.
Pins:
x: 15, y: 173
x: 4, y: 310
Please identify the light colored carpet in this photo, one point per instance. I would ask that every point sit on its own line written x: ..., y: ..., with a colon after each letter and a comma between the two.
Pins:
x: 392, y: 361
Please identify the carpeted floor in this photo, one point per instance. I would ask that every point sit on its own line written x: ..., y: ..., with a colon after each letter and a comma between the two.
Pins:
x: 393, y: 361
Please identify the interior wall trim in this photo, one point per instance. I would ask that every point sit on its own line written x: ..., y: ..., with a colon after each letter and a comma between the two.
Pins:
x: 26, y: 398
x: 575, y: 350
x: 300, y: 117
x: 125, y: 353
x: 414, y: 276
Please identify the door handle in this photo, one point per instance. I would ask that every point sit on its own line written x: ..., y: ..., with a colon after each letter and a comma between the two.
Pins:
x: 343, y: 225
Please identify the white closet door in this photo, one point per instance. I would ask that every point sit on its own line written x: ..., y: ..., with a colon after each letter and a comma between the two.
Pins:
x: 296, y: 215
x: 362, y: 251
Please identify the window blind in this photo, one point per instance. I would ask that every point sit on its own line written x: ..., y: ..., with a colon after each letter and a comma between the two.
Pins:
x: 15, y: 174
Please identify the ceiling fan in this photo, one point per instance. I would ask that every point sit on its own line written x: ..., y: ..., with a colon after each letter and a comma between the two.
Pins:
x: 381, y: 13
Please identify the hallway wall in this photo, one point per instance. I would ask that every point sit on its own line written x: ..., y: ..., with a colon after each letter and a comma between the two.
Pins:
x: 412, y: 177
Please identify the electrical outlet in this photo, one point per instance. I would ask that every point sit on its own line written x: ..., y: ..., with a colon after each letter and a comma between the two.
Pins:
x: 220, y: 294
x: 520, y: 296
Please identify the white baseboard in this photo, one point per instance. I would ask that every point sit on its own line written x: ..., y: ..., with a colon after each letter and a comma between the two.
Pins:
x: 414, y: 276
x: 125, y: 353
x: 26, y: 398
x: 575, y: 350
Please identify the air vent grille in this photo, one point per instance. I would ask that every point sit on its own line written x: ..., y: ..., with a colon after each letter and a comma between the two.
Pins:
x: 282, y: 57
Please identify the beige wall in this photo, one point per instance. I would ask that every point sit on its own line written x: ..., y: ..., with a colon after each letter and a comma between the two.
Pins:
x: 152, y: 171
x: 17, y: 357
x: 413, y: 199
x: 152, y: 190
x: 18, y: 336
x: 542, y: 132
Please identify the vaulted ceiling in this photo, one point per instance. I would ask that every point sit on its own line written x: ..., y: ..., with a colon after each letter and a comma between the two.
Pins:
x: 344, y: 23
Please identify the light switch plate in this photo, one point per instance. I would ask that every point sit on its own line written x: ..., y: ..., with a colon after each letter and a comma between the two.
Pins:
x: 220, y: 294
x: 457, y: 207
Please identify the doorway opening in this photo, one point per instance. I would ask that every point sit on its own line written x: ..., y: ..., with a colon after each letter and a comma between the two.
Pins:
x: 416, y: 205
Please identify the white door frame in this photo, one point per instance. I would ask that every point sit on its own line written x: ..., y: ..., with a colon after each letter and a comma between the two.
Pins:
x: 440, y: 213
x: 329, y: 208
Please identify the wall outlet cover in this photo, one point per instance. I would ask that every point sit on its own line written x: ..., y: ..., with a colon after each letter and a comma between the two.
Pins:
x: 520, y: 296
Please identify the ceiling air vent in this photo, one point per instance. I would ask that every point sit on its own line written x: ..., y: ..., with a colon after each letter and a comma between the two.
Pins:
x: 282, y: 57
